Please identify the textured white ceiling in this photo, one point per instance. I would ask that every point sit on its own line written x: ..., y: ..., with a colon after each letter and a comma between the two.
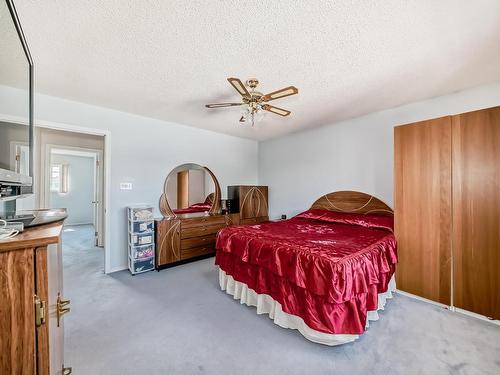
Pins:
x: 166, y: 59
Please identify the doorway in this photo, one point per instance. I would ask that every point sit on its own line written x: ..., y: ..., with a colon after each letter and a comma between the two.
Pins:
x: 74, y: 180
x: 73, y: 175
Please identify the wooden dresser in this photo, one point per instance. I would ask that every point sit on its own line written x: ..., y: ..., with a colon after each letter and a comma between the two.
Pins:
x: 188, y: 236
x: 251, y: 203
x: 191, y: 236
x: 32, y: 305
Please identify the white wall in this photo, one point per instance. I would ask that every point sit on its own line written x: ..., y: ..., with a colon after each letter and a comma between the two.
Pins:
x: 81, y: 186
x: 143, y: 151
x: 356, y: 154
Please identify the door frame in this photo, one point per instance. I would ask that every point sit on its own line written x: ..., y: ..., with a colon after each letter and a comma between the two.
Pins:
x: 97, y: 155
x: 107, y: 169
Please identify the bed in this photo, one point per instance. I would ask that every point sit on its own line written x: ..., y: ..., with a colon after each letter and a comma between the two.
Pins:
x: 325, y: 272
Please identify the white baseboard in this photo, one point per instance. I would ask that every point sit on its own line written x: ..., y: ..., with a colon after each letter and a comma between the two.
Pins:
x: 423, y: 299
x: 477, y: 316
x: 451, y: 308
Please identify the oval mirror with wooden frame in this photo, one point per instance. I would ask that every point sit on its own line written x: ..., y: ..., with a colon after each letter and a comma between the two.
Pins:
x: 190, y: 190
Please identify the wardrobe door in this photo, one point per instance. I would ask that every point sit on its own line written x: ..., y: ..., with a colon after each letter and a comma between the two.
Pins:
x: 476, y: 211
x: 422, y: 176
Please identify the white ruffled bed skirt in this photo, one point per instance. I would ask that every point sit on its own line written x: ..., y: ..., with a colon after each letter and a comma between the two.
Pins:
x: 267, y: 305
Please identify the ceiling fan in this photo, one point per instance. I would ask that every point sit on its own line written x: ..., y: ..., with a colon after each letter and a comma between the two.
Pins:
x: 255, y: 100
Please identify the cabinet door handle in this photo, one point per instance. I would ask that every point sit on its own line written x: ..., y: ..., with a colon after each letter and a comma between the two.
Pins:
x: 67, y: 370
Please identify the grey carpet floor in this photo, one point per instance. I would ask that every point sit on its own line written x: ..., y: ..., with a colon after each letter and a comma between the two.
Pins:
x: 177, y: 321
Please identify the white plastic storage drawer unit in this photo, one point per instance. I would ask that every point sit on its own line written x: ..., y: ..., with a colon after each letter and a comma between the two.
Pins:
x: 141, y: 247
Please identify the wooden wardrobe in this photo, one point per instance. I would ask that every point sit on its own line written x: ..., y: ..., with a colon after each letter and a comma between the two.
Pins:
x: 251, y: 203
x: 447, y: 210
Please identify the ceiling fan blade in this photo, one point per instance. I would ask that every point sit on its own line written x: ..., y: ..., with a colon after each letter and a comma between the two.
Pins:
x: 278, y: 111
x: 221, y: 105
x: 287, y: 91
x: 239, y: 86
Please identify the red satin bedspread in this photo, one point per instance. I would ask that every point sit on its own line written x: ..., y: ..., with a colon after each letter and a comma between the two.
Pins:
x: 322, y: 266
x: 197, y: 207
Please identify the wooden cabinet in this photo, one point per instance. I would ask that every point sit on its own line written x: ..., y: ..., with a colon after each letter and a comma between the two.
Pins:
x: 447, y: 210
x: 31, y: 290
x: 187, y: 237
x: 251, y: 201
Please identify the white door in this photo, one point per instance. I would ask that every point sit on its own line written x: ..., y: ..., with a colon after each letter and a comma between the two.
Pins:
x: 98, y: 201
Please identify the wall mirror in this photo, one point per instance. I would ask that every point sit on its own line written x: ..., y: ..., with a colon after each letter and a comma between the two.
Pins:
x: 190, y: 190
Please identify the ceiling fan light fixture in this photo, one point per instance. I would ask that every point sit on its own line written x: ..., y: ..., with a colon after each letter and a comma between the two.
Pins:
x: 254, y: 101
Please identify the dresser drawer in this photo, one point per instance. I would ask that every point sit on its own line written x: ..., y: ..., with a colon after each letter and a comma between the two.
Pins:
x: 200, y: 231
x: 188, y: 243
x: 197, y: 251
x: 203, y: 221
x: 254, y: 220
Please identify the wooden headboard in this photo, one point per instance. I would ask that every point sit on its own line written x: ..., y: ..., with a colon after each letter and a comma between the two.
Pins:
x: 352, y: 202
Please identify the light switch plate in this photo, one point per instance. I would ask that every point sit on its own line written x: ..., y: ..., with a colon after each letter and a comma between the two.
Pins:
x: 125, y: 186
